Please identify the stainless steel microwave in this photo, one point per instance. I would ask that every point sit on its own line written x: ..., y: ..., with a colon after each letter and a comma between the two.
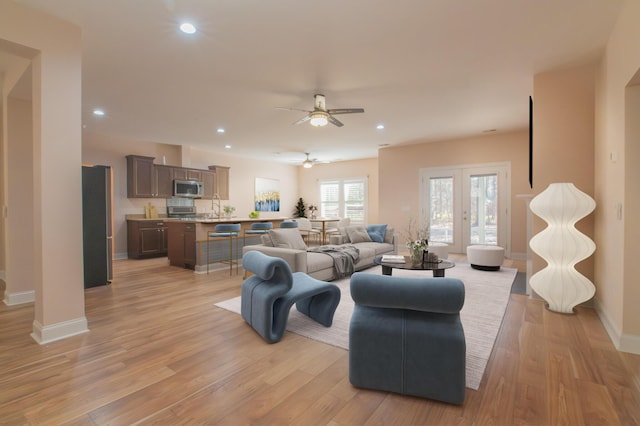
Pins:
x: 187, y: 188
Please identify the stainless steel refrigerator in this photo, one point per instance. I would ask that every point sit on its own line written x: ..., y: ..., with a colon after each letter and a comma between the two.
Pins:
x: 97, y: 225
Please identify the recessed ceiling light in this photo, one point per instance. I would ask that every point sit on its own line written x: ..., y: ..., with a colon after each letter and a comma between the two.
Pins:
x: 188, y: 28
x: 98, y: 112
x: 227, y: 146
x: 220, y: 130
x: 380, y: 126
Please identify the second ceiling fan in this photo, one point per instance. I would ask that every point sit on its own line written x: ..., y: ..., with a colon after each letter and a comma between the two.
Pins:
x: 320, y: 115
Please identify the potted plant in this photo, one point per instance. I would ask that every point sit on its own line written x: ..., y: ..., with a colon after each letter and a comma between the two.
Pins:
x: 301, y: 209
x: 228, y: 210
x: 313, y: 209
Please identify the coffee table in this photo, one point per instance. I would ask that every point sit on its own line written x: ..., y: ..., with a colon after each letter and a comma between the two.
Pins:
x: 438, y: 268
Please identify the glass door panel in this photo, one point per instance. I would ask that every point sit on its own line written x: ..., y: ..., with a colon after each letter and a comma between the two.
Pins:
x: 483, y: 209
x: 441, y: 209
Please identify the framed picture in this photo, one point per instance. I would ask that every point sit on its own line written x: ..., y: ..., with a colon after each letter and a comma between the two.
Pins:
x: 267, y: 195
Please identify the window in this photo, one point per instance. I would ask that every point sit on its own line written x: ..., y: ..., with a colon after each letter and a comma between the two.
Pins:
x: 344, y: 198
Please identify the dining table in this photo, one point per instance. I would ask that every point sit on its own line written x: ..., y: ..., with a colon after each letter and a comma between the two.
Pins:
x: 323, y: 221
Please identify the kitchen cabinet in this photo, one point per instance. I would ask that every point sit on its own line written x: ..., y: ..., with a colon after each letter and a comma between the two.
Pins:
x: 162, y: 181
x: 147, y: 238
x: 208, y: 185
x: 140, y: 177
x: 182, y: 173
x: 221, y: 181
x: 148, y: 180
x: 182, y: 244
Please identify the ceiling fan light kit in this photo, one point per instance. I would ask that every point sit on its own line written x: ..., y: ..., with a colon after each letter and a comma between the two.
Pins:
x: 319, y: 119
x: 321, y: 116
x: 308, y: 163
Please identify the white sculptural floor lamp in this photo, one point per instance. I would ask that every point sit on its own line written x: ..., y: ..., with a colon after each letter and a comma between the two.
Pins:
x: 561, y: 245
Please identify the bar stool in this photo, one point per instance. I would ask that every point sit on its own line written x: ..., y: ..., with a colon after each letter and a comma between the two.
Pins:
x: 225, y: 230
x: 257, y: 228
x: 288, y: 224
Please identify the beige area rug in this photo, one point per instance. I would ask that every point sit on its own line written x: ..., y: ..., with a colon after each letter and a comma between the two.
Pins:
x: 486, y: 298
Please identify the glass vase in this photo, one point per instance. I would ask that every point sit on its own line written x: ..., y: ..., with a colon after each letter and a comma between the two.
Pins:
x: 416, y: 256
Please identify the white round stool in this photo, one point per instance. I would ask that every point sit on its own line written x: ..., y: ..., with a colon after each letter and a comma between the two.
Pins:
x: 486, y: 258
x: 441, y: 249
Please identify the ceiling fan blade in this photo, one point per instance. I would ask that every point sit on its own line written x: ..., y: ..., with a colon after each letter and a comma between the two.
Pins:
x: 335, y: 121
x: 292, y: 109
x: 345, y: 110
x: 303, y: 119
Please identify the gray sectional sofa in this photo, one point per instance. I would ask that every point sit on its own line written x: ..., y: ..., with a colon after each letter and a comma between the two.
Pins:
x: 287, y: 244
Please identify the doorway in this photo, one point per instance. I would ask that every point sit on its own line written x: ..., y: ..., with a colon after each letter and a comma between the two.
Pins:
x: 466, y: 205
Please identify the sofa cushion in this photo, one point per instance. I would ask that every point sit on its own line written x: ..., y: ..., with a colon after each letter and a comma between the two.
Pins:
x: 318, y: 261
x: 358, y: 234
x: 376, y: 232
x: 371, y: 249
x: 287, y: 238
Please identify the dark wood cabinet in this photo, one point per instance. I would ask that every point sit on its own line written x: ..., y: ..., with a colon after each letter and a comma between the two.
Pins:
x: 163, y: 181
x: 182, y: 173
x: 182, y: 244
x: 147, y: 238
x: 140, y: 176
x: 148, y: 180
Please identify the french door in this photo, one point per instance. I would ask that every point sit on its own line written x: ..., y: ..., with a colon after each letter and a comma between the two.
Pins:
x: 467, y: 205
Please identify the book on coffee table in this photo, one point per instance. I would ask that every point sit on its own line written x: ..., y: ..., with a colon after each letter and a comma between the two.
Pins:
x: 392, y: 258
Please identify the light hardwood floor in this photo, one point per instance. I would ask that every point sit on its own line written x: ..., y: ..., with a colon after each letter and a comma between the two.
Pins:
x: 159, y: 352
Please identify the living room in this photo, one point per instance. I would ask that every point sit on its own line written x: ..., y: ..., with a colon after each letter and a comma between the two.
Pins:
x: 583, y: 134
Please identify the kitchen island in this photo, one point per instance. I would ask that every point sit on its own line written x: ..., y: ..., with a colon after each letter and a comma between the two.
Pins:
x: 187, y: 241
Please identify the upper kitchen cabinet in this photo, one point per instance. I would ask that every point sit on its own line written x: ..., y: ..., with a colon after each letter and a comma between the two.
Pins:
x: 181, y: 173
x: 163, y: 181
x: 148, y: 180
x: 208, y: 184
x: 221, y: 181
x: 140, y: 176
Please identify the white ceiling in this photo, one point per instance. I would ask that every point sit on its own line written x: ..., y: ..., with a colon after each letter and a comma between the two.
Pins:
x: 426, y: 69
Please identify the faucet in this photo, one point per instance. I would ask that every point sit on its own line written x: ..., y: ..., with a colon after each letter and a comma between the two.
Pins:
x: 216, y: 196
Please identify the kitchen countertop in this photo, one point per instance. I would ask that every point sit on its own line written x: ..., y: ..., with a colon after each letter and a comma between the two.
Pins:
x: 201, y: 219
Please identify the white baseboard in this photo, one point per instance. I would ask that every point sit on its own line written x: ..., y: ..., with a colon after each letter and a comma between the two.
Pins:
x: 518, y: 256
x: 19, y: 298
x: 61, y: 330
x: 623, y: 342
x: 121, y: 256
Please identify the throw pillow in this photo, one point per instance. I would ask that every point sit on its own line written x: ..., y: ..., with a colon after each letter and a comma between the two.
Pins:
x: 287, y: 238
x: 388, y: 235
x: 376, y: 232
x: 358, y: 234
x: 344, y: 234
x: 266, y: 240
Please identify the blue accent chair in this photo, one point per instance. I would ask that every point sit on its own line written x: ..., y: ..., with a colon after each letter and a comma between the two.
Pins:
x: 268, y: 296
x: 406, y: 337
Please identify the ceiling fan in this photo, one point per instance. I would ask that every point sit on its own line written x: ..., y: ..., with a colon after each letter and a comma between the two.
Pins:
x: 320, y: 115
x: 308, y: 163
